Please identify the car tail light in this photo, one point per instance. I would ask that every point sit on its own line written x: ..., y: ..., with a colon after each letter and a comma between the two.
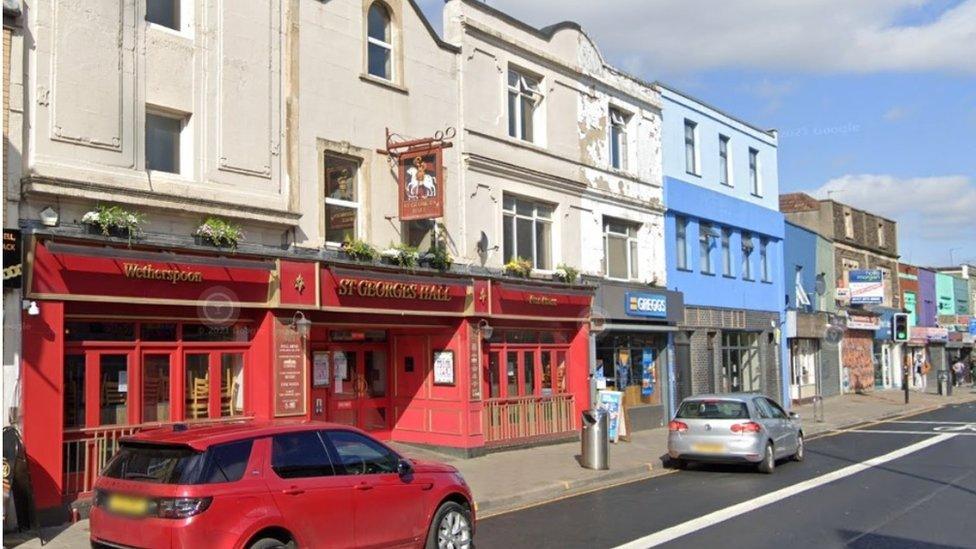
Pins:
x: 180, y: 508
x: 678, y: 426
x: 749, y: 427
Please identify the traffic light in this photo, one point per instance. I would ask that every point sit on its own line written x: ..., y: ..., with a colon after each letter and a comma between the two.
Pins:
x: 899, y: 327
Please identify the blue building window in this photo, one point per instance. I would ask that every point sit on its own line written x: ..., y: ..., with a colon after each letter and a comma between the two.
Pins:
x: 754, y: 172
x: 763, y: 260
x: 691, y: 147
x: 747, y: 246
x: 681, y: 242
x: 706, y: 241
x: 724, y: 168
x: 726, y: 252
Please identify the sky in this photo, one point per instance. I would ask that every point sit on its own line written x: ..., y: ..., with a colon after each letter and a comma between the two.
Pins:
x: 875, y: 100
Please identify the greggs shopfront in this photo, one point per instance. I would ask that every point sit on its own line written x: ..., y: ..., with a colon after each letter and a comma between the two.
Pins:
x: 124, y: 339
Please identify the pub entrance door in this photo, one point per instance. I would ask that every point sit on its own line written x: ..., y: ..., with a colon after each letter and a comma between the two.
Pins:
x: 359, y: 390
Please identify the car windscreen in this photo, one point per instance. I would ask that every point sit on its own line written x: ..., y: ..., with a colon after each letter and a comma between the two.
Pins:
x: 713, y: 409
x: 155, y: 463
x: 172, y: 464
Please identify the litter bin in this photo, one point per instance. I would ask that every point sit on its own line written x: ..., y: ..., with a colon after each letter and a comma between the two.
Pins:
x: 945, y: 388
x: 596, y: 444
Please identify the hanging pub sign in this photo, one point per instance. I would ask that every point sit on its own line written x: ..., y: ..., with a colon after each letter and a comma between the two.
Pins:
x: 421, y: 185
x: 12, y: 258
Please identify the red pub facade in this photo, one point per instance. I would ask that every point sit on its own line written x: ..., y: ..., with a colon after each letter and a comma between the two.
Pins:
x: 128, y: 338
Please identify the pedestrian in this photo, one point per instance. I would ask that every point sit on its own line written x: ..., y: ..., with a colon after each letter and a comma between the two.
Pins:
x: 957, y: 372
x: 920, y: 373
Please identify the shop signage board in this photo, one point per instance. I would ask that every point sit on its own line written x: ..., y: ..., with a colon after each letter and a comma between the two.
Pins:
x: 12, y: 259
x: 860, y: 322
x: 290, y: 379
x: 512, y: 299
x: 866, y: 286
x: 611, y: 402
x: 357, y: 289
x: 929, y: 334
x: 421, y: 184
x: 646, y: 304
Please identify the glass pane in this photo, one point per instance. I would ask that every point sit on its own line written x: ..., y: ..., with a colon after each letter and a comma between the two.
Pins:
x: 528, y: 373
x: 299, y: 455
x: 359, y: 455
x: 163, y: 143
x: 508, y: 238
x: 419, y: 233
x: 213, y: 332
x: 543, y: 255
x: 155, y: 331
x: 340, y: 223
x: 344, y: 363
x: 615, y: 132
x: 528, y: 110
x: 231, y: 384
x: 513, y: 79
x: 379, y: 23
x: 633, y: 259
x: 74, y: 390
x: 511, y: 372
x: 114, y: 389
x: 543, y: 211
x: 524, y: 207
x: 545, y: 360
x: 375, y: 362
x: 561, y: 371
x: 682, y: 243
x: 494, y: 375
x: 616, y: 257
x: 379, y: 61
x: 155, y: 388
x: 341, y: 176
x: 164, y: 12
x: 513, y: 115
x: 197, y: 386
x: 523, y: 230
x: 690, y: 157
x: 226, y: 462
x: 508, y: 203
x: 100, y: 331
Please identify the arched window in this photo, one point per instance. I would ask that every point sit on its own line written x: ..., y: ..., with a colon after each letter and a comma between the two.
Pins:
x: 380, y: 42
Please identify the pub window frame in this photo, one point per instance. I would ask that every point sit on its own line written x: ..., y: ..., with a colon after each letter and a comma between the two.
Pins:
x: 356, y: 205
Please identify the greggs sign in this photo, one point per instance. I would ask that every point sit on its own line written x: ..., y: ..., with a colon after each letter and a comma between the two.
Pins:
x: 148, y: 272
x: 390, y: 289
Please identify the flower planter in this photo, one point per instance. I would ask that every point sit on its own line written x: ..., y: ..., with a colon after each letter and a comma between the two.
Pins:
x: 114, y: 232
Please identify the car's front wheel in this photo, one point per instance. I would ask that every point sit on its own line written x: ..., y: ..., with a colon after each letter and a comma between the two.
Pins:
x: 271, y: 543
x: 798, y: 456
x: 451, y: 528
x: 768, y: 464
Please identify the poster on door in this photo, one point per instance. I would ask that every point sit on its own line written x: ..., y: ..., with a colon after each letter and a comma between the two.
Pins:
x: 647, y: 370
x: 290, y: 373
x: 320, y: 369
x: 444, y: 368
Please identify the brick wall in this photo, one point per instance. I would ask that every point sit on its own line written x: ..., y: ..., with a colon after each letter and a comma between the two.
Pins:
x: 858, y: 358
x: 797, y: 202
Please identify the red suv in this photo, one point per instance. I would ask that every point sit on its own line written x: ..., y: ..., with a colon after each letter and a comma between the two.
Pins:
x: 274, y: 484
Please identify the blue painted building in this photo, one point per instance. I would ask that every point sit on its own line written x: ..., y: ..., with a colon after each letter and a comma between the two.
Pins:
x: 724, y: 249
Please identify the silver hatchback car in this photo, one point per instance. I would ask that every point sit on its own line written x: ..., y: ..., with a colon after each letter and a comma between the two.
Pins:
x: 734, y: 428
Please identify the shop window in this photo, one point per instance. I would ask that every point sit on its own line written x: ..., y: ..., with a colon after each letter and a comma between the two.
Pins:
x: 215, y: 333
x: 231, y: 384
x: 494, y: 375
x: 524, y: 98
x: 155, y: 388
x: 379, y: 42
x: 157, y: 331
x: 341, y: 199
x: 618, y: 138
x: 114, y: 390
x: 527, y: 228
x: 511, y: 374
x: 681, y: 242
x: 620, y: 249
x: 528, y: 373
x: 545, y: 363
x: 197, y: 386
x: 164, y: 12
x: 621, y: 360
x: 561, y: 372
x: 300, y: 455
x: 100, y: 331
x: 163, y: 141
x: 74, y: 391
x: 740, y: 361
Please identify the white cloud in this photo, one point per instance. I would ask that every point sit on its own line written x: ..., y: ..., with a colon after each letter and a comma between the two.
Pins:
x: 933, y: 213
x: 807, y: 35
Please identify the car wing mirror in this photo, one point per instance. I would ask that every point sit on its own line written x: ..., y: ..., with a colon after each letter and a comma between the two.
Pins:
x: 404, y: 467
x: 794, y: 415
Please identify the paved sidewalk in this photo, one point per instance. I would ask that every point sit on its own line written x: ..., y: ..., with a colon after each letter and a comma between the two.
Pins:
x: 506, y: 481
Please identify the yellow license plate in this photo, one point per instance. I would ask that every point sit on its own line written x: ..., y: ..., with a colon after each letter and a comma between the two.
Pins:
x: 128, y: 505
x: 708, y: 448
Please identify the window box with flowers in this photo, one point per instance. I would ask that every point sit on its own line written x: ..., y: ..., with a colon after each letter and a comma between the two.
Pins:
x: 359, y: 250
x: 566, y: 274
x: 114, y: 221
x: 518, y: 267
x: 218, y: 232
x: 401, y: 256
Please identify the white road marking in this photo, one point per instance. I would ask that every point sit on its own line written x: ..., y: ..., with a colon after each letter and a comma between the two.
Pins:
x: 933, y: 422
x: 716, y: 517
x: 893, y: 432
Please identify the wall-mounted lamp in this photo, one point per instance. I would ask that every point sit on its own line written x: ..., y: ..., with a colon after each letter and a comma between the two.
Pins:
x: 49, y: 217
x: 486, y: 329
x: 31, y: 307
x: 301, y: 324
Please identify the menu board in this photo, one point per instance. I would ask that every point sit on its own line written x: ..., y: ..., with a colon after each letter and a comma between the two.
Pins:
x: 444, y: 368
x: 290, y: 379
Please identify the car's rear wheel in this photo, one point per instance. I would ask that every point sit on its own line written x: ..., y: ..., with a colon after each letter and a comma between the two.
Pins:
x: 271, y: 543
x: 677, y: 463
x: 451, y: 528
x: 768, y: 464
x: 798, y: 456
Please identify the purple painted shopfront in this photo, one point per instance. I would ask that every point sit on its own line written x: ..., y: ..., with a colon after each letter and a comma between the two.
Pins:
x: 926, y: 298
